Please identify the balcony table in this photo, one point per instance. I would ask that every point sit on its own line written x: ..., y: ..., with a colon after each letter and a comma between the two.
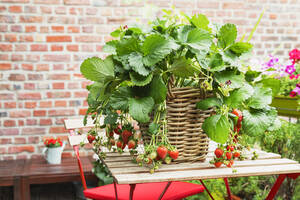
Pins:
x: 124, y: 171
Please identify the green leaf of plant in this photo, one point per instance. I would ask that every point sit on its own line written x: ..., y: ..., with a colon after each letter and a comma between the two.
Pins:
x: 127, y: 46
x: 208, y: 103
x: 120, y: 98
x: 239, y: 95
x: 237, y: 81
x: 136, y: 62
x: 251, y: 75
x: 156, y: 47
x: 199, y: 40
x: 240, y: 47
x: 111, y: 118
x: 231, y: 58
x: 216, y: 63
x: 200, y: 21
x: 272, y: 83
x: 153, y: 128
x: 94, y: 92
x: 261, y: 98
x: 140, y: 80
x: 183, y: 67
x: 96, y: 69
x: 139, y: 109
x: 217, y: 128
x: 110, y: 47
x: 257, y: 121
x: 158, y: 89
x: 227, y: 35
x: 116, y: 33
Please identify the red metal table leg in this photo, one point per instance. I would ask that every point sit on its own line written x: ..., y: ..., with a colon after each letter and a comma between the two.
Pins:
x: 227, y: 188
x: 276, y: 186
x: 116, y: 192
x: 206, y: 189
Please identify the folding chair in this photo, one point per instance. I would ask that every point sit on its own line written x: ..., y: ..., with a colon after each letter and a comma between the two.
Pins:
x: 144, y: 191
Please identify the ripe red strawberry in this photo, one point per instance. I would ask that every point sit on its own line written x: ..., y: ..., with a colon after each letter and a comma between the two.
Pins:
x: 111, y: 133
x: 236, y: 154
x: 228, y: 155
x: 230, y: 147
x: 230, y: 163
x: 218, y: 152
x: 162, y: 152
x: 131, y: 144
x: 238, y: 113
x: 218, y: 164
x: 125, y: 135
x: 121, y: 145
x: 91, y: 138
x: 174, y: 154
x: 118, y: 130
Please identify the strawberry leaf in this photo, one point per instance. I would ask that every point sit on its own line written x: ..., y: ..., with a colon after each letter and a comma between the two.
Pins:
x: 140, y: 80
x: 139, y: 109
x: 227, y: 35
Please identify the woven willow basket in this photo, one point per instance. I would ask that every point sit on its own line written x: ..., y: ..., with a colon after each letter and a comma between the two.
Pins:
x: 184, y: 124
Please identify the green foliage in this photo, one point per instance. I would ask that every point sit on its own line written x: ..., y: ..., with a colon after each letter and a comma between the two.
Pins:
x: 237, y: 81
x: 158, y: 89
x: 261, y: 98
x: 208, y: 103
x: 227, y: 35
x: 184, y: 68
x: 101, y: 171
x: 140, y: 108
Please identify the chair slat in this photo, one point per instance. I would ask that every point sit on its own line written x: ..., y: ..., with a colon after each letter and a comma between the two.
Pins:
x: 78, y: 123
x: 77, y: 139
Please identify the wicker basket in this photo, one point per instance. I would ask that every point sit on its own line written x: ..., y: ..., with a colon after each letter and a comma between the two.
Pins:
x: 184, y: 124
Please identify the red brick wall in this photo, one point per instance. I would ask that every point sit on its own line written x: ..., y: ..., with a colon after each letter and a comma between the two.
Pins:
x: 44, y: 41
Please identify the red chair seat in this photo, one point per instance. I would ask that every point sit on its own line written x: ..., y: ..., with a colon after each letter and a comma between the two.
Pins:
x: 145, y: 191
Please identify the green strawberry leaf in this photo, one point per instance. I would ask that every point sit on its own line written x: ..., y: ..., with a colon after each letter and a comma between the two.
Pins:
x: 208, y: 103
x: 136, y: 62
x: 261, y: 98
x: 199, y: 41
x: 237, y: 96
x: 96, y: 69
x: 111, y: 118
x: 272, y: 83
x: 156, y: 47
x: 183, y: 67
x: 139, y: 109
x: 140, y: 80
x: 127, y: 46
x: 226, y: 35
x: 216, y: 63
x: 217, y: 128
x: 153, y: 128
x: 200, y: 21
x: 120, y: 98
x: 110, y: 47
x: 240, y: 48
x: 257, y: 121
x: 237, y: 81
x: 158, y: 89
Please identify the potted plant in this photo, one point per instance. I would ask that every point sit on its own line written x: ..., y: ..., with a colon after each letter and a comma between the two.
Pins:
x: 284, y: 78
x: 150, y: 70
x: 53, y: 150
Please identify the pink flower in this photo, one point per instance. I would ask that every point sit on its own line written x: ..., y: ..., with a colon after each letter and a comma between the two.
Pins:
x: 292, y: 76
x: 294, y: 55
x: 290, y: 69
x: 293, y: 93
x: 298, y: 85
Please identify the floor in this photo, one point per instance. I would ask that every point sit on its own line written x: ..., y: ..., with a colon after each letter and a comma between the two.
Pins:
x: 56, y: 191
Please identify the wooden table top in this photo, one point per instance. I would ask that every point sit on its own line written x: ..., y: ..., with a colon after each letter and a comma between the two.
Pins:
x: 125, y: 171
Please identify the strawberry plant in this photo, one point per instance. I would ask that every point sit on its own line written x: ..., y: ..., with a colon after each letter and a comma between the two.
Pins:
x: 132, y: 81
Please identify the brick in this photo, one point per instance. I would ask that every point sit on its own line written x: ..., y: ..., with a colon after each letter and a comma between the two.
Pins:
x: 60, y: 103
x: 5, y: 140
x: 7, y: 19
x: 3, y: 151
x: 46, y: 9
x: 19, y: 140
x: 20, y: 149
x: 15, y: 1
x: 47, y: 2
x: 82, y: 111
x: 73, y: 47
x: 19, y: 113
x: 76, y: 2
x: 6, y: 96
x: 20, y: 47
x: 16, y: 28
x: 58, y: 85
x: 74, y: 103
x: 5, y: 66
x: 29, y: 96
x: 38, y: 113
x: 73, y: 29
x: 73, y: 85
x: 5, y: 87
x: 58, y: 94
x: 45, y: 104
x: 30, y: 104
x: 92, y: 20
x: 31, y: 19
x: 9, y: 123
x: 59, y: 77
x: 16, y: 57
x: 10, y: 38
x: 87, y: 48
x: 61, y: 38
x: 33, y: 140
x: 6, y: 47
x: 60, y: 10
x: 33, y: 131
x: 27, y: 67
x: 82, y: 94
x: 21, y: 122
x: 57, y: 58
x: 58, y: 129
x: 61, y: 20
x: 26, y: 38
x: 9, y: 131
x: 30, y: 9
x: 45, y: 122
x: 61, y: 112
x: 15, y: 9
x: 58, y: 66
x: 58, y: 29
x: 38, y: 47
x: 232, y: 6
x: 10, y: 104
x: 88, y: 39
x: 57, y: 48
x: 42, y: 67
x: 3, y: 114
x: 29, y: 86
x: 88, y: 29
